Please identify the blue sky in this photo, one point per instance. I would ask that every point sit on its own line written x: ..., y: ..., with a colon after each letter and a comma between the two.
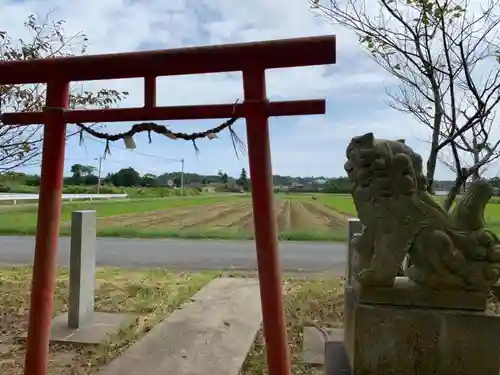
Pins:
x: 314, y: 145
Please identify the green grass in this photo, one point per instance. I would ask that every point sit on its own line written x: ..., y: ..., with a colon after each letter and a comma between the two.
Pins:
x: 133, y: 192
x: 22, y: 220
x: 492, y: 216
x: 124, y: 206
x: 128, y: 232
x: 341, y: 203
x: 216, y: 234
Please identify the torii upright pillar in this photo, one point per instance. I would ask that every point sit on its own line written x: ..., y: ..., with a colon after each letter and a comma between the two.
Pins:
x: 253, y: 59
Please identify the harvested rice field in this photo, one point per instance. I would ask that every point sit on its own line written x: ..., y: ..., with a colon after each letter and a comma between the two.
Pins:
x: 296, y: 219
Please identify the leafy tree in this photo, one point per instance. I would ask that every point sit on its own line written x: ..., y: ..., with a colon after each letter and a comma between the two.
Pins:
x: 76, y: 170
x: 177, y: 181
x: 339, y: 185
x: 21, y: 145
x: 90, y: 179
x: 223, y: 177
x: 149, y: 180
x: 87, y: 170
x: 32, y: 180
x: 495, y: 182
x: 446, y: 58
x: 81, y: 172
x: 243, y: 180
x: 124, y: 177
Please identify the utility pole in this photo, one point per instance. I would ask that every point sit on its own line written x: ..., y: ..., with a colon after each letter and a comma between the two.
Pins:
x: 182, y: 177
x: 99, y: 174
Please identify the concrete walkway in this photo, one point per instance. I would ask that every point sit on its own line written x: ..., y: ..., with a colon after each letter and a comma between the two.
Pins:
x: 210, y: 335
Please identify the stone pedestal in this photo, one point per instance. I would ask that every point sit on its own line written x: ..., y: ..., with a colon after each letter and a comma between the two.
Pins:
x: 399, y: 332
x: 405, y: 292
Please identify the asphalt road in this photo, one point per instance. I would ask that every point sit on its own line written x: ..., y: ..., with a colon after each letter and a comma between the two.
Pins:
x: 185, y: 254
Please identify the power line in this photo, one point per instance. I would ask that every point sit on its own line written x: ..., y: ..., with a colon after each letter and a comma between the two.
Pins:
x: 170, y: 160
x: 89, y: 159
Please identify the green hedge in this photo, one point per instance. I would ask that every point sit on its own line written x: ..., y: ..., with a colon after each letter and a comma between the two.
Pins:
x: 132, y: 192
x: 159, y: 192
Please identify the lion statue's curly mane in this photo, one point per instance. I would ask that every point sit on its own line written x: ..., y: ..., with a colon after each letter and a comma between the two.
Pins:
x: 401, y: 219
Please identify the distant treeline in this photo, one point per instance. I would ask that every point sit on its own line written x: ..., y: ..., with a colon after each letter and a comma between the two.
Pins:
x: 85, y: 176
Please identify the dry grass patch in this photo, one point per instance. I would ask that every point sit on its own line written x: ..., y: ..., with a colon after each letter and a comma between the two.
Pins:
x: 308, y: 301
x: 153, y: 294
x: 320, y: 302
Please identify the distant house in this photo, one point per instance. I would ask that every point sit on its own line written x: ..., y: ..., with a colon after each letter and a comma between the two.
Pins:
x: 320, y: 181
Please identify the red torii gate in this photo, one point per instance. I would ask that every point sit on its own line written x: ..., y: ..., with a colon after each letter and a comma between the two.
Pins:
x: 252, y: 59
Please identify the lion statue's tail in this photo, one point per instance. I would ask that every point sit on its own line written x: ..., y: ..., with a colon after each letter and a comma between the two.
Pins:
x: 468, y: 213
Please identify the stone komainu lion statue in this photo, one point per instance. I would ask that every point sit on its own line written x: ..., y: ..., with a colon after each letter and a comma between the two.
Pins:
x: 446, y: 251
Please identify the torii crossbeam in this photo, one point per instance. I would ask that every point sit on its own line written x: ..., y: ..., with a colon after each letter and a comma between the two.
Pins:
x: 253, y: 59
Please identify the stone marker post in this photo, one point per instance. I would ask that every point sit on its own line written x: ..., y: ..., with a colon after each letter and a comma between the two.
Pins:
x: 82, y: 268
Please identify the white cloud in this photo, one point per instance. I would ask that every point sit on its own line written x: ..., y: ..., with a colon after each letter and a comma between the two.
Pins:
x: 354, y: 88
x: 317, y: 145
